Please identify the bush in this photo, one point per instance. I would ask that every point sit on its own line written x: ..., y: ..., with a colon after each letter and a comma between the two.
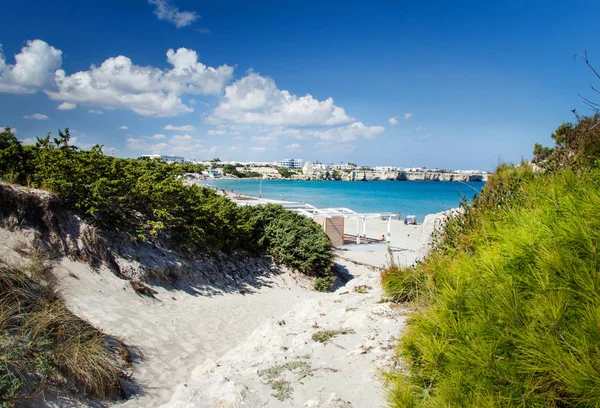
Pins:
x: 510, y: 300
x: 323, y: 284
x: 145, y: 199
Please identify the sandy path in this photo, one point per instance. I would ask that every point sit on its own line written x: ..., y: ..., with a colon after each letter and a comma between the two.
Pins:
x: 177, y: 331
x: 282, y: 365
x: 342, y: 372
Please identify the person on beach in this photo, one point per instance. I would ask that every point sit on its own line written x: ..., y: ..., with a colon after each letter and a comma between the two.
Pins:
x: 383, y: 237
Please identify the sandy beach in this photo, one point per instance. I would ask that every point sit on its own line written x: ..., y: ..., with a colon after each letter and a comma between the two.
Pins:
x: 203, y: 350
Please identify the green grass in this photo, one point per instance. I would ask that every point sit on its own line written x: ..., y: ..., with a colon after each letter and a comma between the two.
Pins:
x: 324, y: 336
x: 45, y: 347
x: 509, y: 303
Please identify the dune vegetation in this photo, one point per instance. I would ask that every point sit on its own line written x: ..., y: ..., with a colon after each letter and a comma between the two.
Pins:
x: 147, y: 200
x: 507, y: 305
x: 45, y: 349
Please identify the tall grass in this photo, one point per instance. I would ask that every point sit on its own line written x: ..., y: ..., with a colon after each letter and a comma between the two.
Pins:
x: 45, y: 347
x: 510, y: 300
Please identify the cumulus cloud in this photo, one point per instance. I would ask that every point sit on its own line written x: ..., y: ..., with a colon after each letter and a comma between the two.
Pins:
x: 36, y: 116
x: 33, y: 69
x: 263, y: 139
x: 258, y: 149
x: 66, y: 106
x: 216, y: 132
x: 407, y: 116
x: 293, y: 146
x: 393, y: 120
x: 348, y: 133
x: 12, y: 130
x: 167, y: 11
x: 96, y: 112
x: 180, y: 145
x: 184, y: 128
x: 123, y: 127
x: 146, y: 90
x: 180, y: 139
x: 255, y: 99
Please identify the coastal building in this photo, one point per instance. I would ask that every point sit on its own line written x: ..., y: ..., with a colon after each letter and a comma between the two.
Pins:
x: 291, y: 163
x: 165, y: 158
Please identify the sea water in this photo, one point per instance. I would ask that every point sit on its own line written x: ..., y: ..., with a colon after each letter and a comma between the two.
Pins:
x: 417, y: 198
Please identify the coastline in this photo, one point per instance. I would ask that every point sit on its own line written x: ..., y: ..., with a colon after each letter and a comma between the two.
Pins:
x: 413, y: 198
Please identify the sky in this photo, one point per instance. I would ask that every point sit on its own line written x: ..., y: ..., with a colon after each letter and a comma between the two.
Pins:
x: 447, y: 84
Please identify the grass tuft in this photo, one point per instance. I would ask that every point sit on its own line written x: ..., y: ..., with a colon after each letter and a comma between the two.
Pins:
x: 43, y: 346
x: 324, y: 336
x: 279, y: 375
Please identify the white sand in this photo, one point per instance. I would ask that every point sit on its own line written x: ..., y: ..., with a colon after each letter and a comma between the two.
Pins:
x: 207, y: 351
x: 343, y: 372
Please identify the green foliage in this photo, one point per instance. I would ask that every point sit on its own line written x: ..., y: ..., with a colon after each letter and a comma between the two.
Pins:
x: 146, y: 199
x: 510, y: 299
x: 285, y: 173
x: 574, y: 146
x: 323, y: 284
x: 12, y: 158
x: 42, y: 345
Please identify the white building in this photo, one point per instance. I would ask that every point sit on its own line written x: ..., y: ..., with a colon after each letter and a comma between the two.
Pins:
x: 291, y: 163
x: 168, y: 159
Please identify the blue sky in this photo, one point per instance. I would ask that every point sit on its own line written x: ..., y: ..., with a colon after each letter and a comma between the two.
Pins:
x: 408, y: 83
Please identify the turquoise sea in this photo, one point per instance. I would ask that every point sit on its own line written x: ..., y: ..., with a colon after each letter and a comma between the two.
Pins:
x: 408, y: 197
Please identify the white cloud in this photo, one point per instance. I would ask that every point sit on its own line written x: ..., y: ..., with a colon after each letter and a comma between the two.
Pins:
x: 293, y: 146
x: 12, y: 130
x: 66, y: 106
x: 96, y: 112
x: 286, y: 132
x: 179, y: 145
x: 258, y: 149
x: 36, y: 116
x: 146, y: 90
x: 167, y: 11
x: 123, y: 127
x: 348, y: 133
x: 216, y: 132
x: 407, y: 116
x: 393, y: 120
x: 29, y: 141
x: 180, y: 139
x: 33, y: 69
x: 184, y: 128
x: 255, y: 99
x: 420, y: 129
x: 263, y: 139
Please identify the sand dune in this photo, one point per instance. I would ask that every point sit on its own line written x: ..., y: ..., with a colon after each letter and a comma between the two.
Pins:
x: 228, y: 348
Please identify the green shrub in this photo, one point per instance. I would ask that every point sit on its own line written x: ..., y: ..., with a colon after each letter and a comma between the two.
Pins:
x: 323, y: 284
x: 510, y: 311
x: 146, y: 199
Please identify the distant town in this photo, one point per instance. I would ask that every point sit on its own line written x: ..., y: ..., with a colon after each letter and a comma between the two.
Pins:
x: 299, y: 169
